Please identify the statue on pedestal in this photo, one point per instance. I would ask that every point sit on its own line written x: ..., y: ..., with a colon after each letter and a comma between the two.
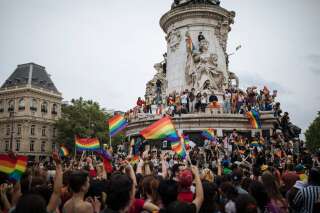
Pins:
x: 202, y: 68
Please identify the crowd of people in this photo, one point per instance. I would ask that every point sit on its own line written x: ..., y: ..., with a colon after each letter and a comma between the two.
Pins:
x: 230, y: 174
x: 234, y: 101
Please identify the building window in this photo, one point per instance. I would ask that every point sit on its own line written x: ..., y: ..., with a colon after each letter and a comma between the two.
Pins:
x: 6, y: 148
x: 33, y: 105
x: 54, y: 109
x: 21, y: 104
x: 8, y: 130
x: 44, y: 107
x: 11, y: 106
x: 32, y: 130
x: 43, y: 146
x: 43, y: 131
x: 1, y: 106
x: 17, y: 145
x: 31, y: 146
x: 19, y: 129
x: 54, y: 132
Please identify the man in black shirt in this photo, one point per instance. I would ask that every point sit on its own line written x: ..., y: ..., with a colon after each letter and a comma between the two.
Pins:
x: 201, y: 37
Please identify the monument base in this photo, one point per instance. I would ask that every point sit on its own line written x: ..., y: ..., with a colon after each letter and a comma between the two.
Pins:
x: 221, y: 122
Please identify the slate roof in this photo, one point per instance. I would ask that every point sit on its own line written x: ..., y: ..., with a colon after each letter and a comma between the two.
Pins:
x: 30, y: 73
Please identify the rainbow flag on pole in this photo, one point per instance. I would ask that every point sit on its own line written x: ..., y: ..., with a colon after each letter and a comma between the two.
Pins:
x: 116, y: 124
x: 208, y: 134
x: 63, y: 151
x: 90, y: 144
x: 254, y: 119
x: 161, y: 129
x: 179, y: 148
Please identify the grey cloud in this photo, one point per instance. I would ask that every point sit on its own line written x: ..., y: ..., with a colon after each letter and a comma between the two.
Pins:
x: 315, y: 70
x: 314, y: 58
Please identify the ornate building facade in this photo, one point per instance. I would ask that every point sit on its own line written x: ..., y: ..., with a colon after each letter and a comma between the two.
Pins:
x: 29, y: 106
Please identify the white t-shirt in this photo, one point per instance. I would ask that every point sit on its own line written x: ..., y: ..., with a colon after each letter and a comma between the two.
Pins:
x: 184, y: 99
x: 227, y: 96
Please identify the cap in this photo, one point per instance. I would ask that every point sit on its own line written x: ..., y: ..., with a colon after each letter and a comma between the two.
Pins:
x: 185, y: 178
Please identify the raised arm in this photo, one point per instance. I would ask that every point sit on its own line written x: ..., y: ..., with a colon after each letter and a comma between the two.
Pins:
x: 199, y: 190
x: 164, y: 165
x: 55, y: 197
x: 3, y: 197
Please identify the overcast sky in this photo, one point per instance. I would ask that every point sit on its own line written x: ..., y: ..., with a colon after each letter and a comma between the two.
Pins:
x: 105, y: 50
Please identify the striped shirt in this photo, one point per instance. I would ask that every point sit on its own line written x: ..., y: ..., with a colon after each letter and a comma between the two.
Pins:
x: 306, y: 198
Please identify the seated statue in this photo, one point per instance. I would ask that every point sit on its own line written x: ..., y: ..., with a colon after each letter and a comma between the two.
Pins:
x: 178, y: 3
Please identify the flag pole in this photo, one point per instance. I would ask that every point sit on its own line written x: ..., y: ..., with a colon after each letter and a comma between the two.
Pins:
x: 109, y: 141
x: 75, y: 148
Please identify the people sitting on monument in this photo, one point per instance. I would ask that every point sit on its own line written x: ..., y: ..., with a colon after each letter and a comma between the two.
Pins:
x: 232, y: 100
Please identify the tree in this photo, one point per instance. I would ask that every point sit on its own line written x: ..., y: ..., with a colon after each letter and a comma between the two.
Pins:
x: 84, y: 119
x: 313, y: 134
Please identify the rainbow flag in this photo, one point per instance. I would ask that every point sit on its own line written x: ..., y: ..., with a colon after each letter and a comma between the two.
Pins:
x: 186, y: 140
x: 179, y: 148
x: 255, y: 143
x: 90, y: 144
x: 116, y: 124
x: 254, y: 119
x: 14, y: 167
x: 7, y: 164
x: 105, y: 154
x: 208, y: 134
x: 20, y: 168
x: 63, y: 151
x: 135, y: 160
x: 161, y: 129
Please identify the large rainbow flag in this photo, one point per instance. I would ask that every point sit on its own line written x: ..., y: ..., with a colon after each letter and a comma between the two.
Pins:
x: 208, y: 134
x: 116, y: 124
x: 254, y: 119
x: 90, y: 144
x: 161, y: 129
x: 179, y: 148
x: 14, y: 167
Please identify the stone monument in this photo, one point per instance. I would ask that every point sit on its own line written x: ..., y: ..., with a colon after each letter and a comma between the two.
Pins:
x: 196, y: 58
x: 196, y: 35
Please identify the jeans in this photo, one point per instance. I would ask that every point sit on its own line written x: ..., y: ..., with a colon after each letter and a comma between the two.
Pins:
x: 226, y: 107
x: 192, y: 105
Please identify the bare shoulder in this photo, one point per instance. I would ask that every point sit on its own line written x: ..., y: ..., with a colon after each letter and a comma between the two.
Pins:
x: 80, y: 207
x: 84, y: 207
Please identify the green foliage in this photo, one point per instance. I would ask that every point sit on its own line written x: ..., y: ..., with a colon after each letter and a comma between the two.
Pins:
x: 313, y: 134
x: 85, y: 119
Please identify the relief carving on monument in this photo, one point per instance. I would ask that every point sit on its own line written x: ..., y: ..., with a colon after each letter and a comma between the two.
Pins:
x: 202, y: 68
x: 221, y: 32
x: 174, y: 39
